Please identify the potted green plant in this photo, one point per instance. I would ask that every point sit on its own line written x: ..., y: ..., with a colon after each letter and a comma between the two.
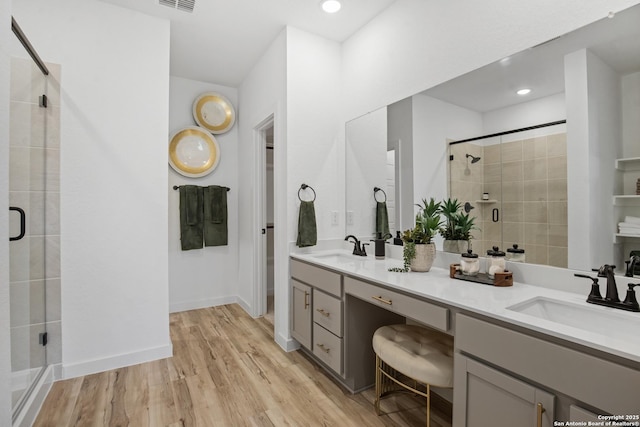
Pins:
x: 457, y: 227
x: 419, y: 249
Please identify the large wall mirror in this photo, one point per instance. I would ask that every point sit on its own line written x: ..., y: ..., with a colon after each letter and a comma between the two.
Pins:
x: 550, y: 189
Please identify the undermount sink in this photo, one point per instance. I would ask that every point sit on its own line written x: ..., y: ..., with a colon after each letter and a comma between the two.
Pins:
x: 339, y: 258
x: 594, y: 319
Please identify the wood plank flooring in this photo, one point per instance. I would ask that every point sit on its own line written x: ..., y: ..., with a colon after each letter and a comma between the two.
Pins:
x: 226, y: 371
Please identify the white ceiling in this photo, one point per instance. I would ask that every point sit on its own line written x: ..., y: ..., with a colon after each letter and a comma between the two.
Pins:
x: 616, y: 41
x: 222, y: 39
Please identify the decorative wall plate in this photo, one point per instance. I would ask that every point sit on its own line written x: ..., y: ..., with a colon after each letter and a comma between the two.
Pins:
x: 214, y: 112
x: 193, y: 152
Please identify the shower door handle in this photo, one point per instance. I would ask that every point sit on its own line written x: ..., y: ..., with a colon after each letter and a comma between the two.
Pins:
x: 23, y: 223
x: 495, y: 215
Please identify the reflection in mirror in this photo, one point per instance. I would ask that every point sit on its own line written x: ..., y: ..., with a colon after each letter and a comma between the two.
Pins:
x: 366, y: 167
x: 516, y: 186
x: 589, y: 77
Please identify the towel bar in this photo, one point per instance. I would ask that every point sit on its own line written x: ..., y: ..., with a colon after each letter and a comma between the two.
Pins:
x: 177, y: 187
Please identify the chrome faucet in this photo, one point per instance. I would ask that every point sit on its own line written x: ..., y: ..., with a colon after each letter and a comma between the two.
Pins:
x: 358, y: 247
x: 631, y: 265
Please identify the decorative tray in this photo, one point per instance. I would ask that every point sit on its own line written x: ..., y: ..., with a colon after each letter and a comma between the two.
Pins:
x: 500, y: 279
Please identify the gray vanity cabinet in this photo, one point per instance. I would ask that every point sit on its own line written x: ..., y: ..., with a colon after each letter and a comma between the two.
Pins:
x: 496, y: 366
x: 301, y: 319
x: 493, y: 398
x: 318, y: 312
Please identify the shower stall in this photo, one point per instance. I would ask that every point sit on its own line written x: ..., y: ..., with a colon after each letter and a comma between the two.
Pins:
x: 515, y: 184
x: 34, y: 226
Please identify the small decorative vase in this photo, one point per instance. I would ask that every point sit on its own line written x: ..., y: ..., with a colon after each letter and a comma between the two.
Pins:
x: 455, y: 246
x: 425, y: 254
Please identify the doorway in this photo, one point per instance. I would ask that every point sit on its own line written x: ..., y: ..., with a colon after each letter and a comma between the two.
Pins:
x: 268, y: 197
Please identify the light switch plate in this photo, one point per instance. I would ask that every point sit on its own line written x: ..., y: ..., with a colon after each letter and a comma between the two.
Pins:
x: 349, y: 217
x: 334, y: 218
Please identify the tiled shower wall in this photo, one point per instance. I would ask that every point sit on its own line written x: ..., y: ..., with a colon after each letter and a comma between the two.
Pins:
x: 527, y: 182
x: 34, y: 185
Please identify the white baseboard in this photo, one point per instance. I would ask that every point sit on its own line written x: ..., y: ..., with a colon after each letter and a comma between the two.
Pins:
x: 31, y: 408
x: 245, y: 306
x: 118, y: 361
x: 201, y: 303
x: 287, y: 344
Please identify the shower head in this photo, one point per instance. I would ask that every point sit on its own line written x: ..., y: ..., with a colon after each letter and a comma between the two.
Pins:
x: 474, y: 159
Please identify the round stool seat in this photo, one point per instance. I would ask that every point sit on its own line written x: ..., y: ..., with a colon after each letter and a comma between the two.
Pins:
x: 422, y: 354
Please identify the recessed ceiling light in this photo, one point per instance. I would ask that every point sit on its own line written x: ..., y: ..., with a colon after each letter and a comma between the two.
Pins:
x: 523, y: 91
x: 331, y: 6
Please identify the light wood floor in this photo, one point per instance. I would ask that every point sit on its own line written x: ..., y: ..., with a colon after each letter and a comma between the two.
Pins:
x: 226, y: 371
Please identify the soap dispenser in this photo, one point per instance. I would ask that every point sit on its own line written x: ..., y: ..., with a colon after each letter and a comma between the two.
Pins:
x: 380, y: 242
x: 397, y: 240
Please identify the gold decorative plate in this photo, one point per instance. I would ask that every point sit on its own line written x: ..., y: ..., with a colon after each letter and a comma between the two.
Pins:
x: 214, y: 112
x: 193, y: 152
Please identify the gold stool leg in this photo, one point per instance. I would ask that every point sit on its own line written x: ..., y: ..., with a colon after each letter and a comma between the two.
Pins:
x: 378, y: 386
x: 428, y: 405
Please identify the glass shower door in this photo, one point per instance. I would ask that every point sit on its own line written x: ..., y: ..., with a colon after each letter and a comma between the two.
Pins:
x: 27, y: 222
x: 475, y: 177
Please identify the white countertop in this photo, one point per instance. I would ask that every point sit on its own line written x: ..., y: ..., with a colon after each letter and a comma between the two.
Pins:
x: 491, y: 301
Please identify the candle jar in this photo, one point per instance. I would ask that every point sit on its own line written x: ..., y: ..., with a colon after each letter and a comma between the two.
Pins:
x: 469, y: 263
x: 515, y: 254
x: 495, y: 262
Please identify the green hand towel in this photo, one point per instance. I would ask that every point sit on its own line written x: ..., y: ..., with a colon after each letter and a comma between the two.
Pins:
x: 382, y: 218
x: 190, y: 217
x: 307, y: 230
x: 215, y: 216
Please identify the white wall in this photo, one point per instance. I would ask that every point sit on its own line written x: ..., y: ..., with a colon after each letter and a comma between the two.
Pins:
x: 114, y: 125
x: 630, y: 113
x: 434, y: 123
x: 543, y: 110
x: 594, y: 142
x: 315, y: 144
x: 315, y: 134
x: 400, y: 137
x: 365, y: 162
x: 5, y: 347
x: 203, y: 277
x: 415, y: 44
x: 263, y: 94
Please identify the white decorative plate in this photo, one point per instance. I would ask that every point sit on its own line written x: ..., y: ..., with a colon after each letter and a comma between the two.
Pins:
x: 193, y: 152
x: 214, y: 112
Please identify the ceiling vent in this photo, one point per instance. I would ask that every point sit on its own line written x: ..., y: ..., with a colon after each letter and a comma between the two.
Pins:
x: 184, y: 5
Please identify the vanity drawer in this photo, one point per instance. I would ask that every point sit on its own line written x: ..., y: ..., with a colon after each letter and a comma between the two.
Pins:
x: 327, y: 347
x: 422, y: 311
x: 327, y: 311
x: 317, y: 277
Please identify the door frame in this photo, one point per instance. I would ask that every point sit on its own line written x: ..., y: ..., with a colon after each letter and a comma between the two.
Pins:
x: 260, y: 216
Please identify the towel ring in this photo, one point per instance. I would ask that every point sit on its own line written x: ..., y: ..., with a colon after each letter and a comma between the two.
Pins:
x: 304, y: 187
x: 375, y: 191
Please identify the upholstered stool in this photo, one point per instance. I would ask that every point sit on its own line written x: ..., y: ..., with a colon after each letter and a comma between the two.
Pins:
x: 408, y: 354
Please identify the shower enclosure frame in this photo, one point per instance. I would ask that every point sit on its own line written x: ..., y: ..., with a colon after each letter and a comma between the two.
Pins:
x: 490, y: 212
x: 34, y: 234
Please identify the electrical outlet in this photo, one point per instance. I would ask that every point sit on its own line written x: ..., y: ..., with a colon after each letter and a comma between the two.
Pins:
x: 334, y: 218
x: 349, y: 217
